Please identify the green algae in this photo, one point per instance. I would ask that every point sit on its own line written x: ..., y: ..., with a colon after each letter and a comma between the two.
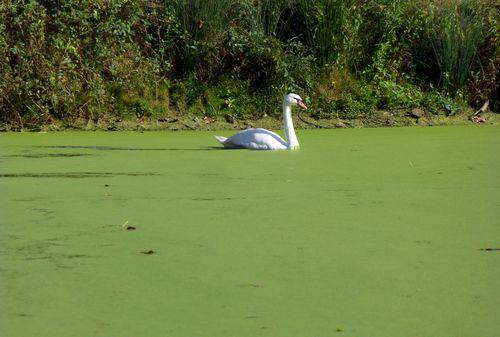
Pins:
x: 71, y: 174
x: 371, y: 232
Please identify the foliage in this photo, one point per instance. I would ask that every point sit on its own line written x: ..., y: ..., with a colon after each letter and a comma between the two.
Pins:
x: 484, y: 77
x: 197, y: 31
x: 325, y: 27
x: 268, y: 17
x: 94, y: 58
x: 70, y: 59
x: 455, y: 35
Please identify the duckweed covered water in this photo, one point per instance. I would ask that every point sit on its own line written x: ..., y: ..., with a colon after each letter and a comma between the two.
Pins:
x: 372, y: 232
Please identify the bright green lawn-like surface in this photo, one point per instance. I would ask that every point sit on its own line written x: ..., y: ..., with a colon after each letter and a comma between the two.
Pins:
x: 370, y: 232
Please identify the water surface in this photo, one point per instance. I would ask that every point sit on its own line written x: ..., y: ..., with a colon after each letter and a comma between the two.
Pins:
x: 371, y: 232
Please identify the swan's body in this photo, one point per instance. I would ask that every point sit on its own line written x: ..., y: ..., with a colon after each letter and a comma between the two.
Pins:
x: 262, y: 139
x: 255, y: 139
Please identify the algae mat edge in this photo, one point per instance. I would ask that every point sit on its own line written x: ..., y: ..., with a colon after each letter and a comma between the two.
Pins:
x: 372, y: 232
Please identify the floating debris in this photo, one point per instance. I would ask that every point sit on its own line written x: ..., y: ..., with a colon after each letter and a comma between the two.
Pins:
x: 148, y: 252
x: 128, y: 227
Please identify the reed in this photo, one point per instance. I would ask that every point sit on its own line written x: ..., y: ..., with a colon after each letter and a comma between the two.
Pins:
x: 201, y: 24
x: 72, y: 59
x: 325, y: 23
x: 455, y: 34
x: 270, y: 16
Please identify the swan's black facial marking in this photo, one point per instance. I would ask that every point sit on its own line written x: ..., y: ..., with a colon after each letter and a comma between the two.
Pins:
x: 294, y: 99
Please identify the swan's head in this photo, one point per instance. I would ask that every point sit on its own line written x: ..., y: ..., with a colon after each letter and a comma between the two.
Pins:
x: 294, y: 99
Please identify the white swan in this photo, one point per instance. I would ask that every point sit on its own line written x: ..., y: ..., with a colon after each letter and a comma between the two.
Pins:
x: 262, y: 139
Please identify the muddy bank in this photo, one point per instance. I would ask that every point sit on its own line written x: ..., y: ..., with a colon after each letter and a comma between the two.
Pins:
x: 403, y: 117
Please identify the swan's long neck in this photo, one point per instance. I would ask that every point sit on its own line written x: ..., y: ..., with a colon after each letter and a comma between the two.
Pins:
x: 291, y: 138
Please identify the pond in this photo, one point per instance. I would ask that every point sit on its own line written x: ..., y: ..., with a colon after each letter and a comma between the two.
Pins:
x: 362, y: 232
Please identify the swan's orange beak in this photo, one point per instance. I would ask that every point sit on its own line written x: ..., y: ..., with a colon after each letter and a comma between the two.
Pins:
x: 302, y: 105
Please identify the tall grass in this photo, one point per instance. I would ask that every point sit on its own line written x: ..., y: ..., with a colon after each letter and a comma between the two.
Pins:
x: 325, y: 23
x: 269, y: 15
x: 201, y: 25
x: 70, y: 59
x: 455, y: 35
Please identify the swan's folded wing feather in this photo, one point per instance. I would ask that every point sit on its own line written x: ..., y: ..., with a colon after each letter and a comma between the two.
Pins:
x: 258, y: 139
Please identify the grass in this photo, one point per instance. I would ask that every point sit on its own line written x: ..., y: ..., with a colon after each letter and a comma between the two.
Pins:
x: 135, y: 58
x: 198, y: 21
x: 455, y: 34
x: 325, y: 24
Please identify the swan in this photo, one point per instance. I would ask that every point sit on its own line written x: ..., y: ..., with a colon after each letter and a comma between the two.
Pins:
x: 262, y: 139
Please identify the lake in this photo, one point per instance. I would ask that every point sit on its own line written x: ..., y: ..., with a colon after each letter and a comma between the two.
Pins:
x: 362, y: 232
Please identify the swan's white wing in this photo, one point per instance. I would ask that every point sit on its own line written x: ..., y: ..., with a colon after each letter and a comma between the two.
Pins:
x: 258, y: 139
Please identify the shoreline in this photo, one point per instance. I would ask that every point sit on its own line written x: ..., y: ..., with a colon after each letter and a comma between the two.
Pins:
x: 171, y: 122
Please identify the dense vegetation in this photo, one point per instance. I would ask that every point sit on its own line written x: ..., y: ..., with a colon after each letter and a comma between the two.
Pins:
x: 94, y: 58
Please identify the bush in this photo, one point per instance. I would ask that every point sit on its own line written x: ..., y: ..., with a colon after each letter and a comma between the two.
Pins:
x: 66, y: 60
x: 88, y: 59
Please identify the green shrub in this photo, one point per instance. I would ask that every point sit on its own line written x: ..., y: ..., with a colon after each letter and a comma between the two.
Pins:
x: 65, y: 59
x: 395, y: 96
x: 455, y: 33
x: 91, y: 58
x: 325, y: 27
x: 267, y: 17
x: 197, y: 33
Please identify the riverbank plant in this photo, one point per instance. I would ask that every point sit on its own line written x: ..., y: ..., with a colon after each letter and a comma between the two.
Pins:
x: 136, y: 58
x: 455, y: 34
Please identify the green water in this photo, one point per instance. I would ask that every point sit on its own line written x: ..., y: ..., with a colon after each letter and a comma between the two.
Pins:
x: 371, y: 232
